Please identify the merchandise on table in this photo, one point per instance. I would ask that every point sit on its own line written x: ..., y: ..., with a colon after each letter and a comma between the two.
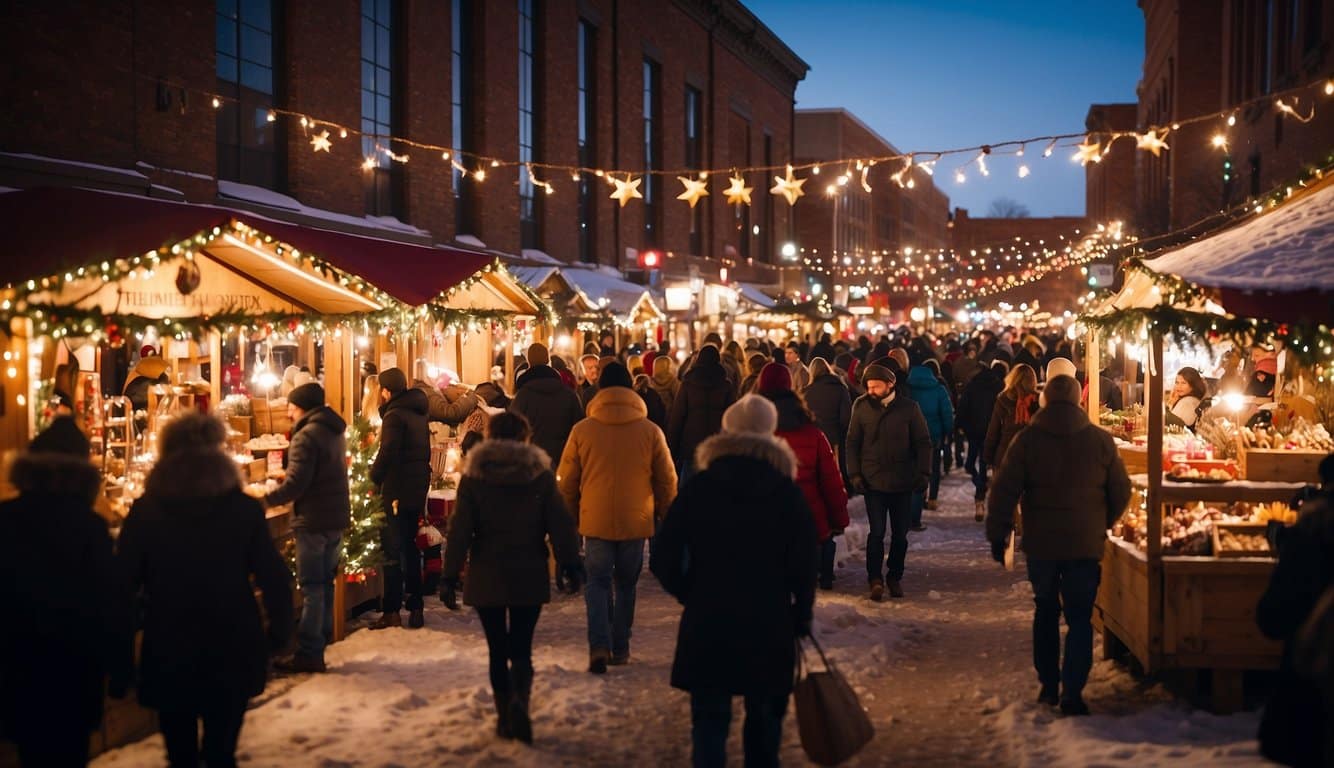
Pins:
x: 1190, y: 530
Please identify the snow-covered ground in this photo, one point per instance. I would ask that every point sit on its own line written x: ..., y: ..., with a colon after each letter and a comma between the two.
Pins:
x: 945, y: 673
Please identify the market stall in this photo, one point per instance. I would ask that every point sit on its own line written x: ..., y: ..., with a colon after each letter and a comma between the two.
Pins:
x: 579, y: 314
x: 626, y: 308
x: 1184, y: 569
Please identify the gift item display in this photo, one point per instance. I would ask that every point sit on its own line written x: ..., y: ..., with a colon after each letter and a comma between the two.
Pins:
x: 1189, y: 530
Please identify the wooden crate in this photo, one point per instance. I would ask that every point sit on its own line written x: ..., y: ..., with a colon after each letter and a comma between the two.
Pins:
x: 1136, y: 458
x: 1249, y: 529
x: 1123, y: 598
x: 1280, y: 465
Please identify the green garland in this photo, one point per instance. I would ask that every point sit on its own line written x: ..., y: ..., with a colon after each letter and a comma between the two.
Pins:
x: 361, y: 544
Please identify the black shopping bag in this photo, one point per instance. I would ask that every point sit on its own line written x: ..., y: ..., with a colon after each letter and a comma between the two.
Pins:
x: 830, y: 718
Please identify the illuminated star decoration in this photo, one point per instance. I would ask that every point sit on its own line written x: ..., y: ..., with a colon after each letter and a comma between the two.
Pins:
x: 626, y: 190
x: 1089, y: 151
x: 695, y: 189
x: 1151, y: 142
x: 320, y: 141
x: 789, y: 187
x: 738, y: 192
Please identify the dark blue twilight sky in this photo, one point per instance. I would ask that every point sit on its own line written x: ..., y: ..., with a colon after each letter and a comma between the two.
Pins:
x: 939, y: 74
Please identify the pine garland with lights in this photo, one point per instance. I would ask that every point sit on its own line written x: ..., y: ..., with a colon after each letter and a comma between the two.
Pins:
x: 361, y: 544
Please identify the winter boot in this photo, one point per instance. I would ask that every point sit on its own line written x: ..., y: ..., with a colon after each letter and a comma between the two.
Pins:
x: 877, y: 591
x: 297, y: 664
x: 932, y: 504
x: 386, y: 621
x: 521, y: 688
x: 503, y: 729
x: 597, y: 662
x: 1074, y: 707
x: 619, y: 659
x: 1049, y: 695
x: 979, y: 510
x: 895, y: 588
x: 416, y: 619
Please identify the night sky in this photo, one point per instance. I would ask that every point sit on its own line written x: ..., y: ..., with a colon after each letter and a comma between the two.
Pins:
x: 938, y: 74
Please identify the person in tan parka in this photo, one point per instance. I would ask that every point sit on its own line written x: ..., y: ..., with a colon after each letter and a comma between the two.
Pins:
x: 617, y: 478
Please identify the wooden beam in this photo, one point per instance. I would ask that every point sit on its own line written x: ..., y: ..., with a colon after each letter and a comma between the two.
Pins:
x: 1154, y: 397
x: 1092, y: 368
x: 215, y: 368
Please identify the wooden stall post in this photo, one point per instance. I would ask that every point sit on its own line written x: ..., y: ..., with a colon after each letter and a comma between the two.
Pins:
x: 1154, y: 404
x: 1092, y: 371
x: 215, y: 368
x: 509, y: 357
x: 458, y: 352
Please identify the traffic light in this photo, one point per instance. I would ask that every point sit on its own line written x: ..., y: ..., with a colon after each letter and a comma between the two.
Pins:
x: 650, y: 259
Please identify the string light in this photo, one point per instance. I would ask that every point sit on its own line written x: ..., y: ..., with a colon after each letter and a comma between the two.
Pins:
x: 1023, y: 171
x: 1219, y: 141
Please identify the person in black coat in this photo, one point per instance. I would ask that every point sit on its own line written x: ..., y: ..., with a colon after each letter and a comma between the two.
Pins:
x: 831, y: 403
x: 402, y: 470
x: 551, y: 408
x: 195, y: 547
x: 1293, y: 729
x: 974, y: 416
x: 697, y: 412
x: 745, y: 607
x: 316, y: 486
x: 657, y: 412
x: 508, y: 509
x: 57, y: 573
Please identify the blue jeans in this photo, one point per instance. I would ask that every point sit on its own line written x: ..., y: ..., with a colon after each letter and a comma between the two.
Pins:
x: 711, y: 718
x: 897, y: 508
x: 317, y: 555
x: 611, y: 614
x: 977, y: 468
x: 1068, y: 586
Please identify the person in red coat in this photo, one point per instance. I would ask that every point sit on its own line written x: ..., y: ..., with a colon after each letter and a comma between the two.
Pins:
x: 818, y: 475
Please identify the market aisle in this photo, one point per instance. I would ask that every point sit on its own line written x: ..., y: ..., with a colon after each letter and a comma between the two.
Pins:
x: 945, y: 674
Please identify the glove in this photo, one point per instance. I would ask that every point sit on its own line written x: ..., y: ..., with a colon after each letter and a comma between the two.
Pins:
x: 449, y: 593
x: 858, y: 483
x: 571, y: 578
x: 923, y: 482
x: 835, y: 532
x: 998, y: 551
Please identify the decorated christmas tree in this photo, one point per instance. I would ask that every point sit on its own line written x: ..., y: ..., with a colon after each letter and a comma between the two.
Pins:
x: 361, y: 545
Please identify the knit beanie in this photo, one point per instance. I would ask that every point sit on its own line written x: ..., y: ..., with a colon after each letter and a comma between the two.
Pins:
x: 1059, y: 366
x: 307, y: 397
x: 751, y: 414
x: 615, y: 375
x: 538, y: 355
x: 394, y: 380
x: 774, y: 378
x: 708, y: 355
x: 875, y: 372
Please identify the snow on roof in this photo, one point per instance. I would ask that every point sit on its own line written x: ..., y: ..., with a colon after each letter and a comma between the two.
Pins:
x: 76, y: 164
x: 752, y: 293
x: 606, y: 283
x: 532, y: 276
x: 1288, y: 249
x: 539, y: 257
x: 469, y: 240
x: 269, y: 198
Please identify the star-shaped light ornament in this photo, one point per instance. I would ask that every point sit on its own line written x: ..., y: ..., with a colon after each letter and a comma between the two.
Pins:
x: 1089, y: 151
x: 320, y: 141
x: 789, y: 187
x: 695, y: 189
x: 738, y: 193
x: 1151, y: 141
x: 626, y: 190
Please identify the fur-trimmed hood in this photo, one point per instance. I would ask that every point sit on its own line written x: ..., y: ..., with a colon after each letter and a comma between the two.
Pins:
x: 194, y: 474
x: 55, y: 474
x: 767, y: 448
x: 506, y: 462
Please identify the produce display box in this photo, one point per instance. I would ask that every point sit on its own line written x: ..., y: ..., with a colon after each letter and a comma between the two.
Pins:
x: 1247, y: 530
x: 1279, y: 465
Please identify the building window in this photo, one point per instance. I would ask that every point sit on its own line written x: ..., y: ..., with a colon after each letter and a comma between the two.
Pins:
x: 587, y: 109
x: 378, y: 86
x: 529, y: 200
x: 1265, y: 47
x: 1315, y: 28
x: 460, y: 89
x: 694, y: 157
x: 249, y: 144
x: 652, y: 153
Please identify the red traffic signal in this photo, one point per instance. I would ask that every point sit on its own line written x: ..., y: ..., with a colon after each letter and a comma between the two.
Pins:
x: 650, y: 259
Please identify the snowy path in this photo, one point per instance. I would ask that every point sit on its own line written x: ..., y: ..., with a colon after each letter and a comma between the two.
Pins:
x: 945, y: 673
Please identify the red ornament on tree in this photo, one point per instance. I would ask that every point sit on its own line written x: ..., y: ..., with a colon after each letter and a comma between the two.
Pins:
x: 114, y: 336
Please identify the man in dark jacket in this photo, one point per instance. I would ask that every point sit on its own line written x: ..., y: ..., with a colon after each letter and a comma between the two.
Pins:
x: 316, y: 486
x: 402, y: 470
x: 889, y: 459
x: 57, y: 572
x: 697, y: 412
x: 1073, y: 486
x: 824, y: 349
x: 744, y: 608
x: 551, y: 408
x: 974, y: 416
x: 1295, y: 727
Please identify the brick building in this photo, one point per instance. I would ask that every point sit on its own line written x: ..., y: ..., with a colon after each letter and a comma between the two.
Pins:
x: 1205, y: 56
x: 1109, y: 184
x: 1057, y: 291
x: 203, y: 101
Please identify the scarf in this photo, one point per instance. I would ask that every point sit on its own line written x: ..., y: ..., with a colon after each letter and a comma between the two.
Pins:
x: 1023, y: 409
x: 885, y: 401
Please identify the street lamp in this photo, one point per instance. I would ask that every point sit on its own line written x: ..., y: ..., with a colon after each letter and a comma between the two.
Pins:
x: 789, y: 251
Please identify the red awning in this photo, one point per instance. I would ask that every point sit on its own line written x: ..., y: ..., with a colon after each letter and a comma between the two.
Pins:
x: 55, y: 230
